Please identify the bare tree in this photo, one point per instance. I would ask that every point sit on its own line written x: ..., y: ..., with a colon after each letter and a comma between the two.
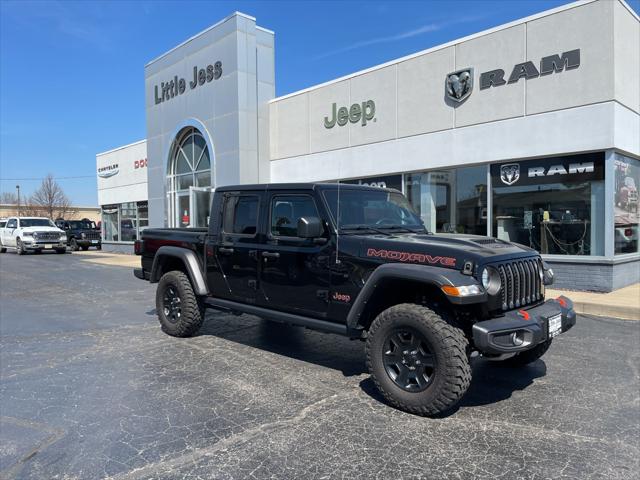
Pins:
x: 50, y: 199
x: 8, y: 198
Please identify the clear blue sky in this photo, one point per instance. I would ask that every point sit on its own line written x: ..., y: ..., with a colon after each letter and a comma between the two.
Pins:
x: 72, y: 73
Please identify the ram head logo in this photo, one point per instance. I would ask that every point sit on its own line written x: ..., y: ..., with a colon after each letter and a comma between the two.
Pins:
x: 459, y: 85
x: 510, y: 173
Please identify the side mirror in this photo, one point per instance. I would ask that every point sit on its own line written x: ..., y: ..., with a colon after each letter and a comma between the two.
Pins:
x: 310, y: 227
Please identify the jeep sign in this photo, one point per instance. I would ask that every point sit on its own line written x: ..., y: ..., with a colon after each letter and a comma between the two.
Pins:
x: 357, y: 112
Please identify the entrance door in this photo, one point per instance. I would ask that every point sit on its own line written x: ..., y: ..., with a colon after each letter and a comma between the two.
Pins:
x: 200, y: 198
x: 183, y: 210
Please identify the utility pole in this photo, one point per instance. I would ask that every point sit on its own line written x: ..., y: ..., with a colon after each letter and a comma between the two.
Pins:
x: 18, y: 189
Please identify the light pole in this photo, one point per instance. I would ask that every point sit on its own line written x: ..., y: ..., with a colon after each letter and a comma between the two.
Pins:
x: 18, y: 189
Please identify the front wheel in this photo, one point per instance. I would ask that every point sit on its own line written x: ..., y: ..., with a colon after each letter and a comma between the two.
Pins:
x: 74, y: 245
x: 417, y: 360
x: 20, y: 250
x: 180, y: 312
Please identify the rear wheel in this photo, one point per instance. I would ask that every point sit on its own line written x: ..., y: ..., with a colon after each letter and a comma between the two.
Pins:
x: 417, y: 360
x: 85, y: 248
x: 529, y: 356
x: 180, y: 312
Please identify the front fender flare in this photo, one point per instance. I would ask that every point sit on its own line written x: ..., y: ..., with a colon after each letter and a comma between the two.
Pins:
x: 190, y: 261
x: 433, y: 276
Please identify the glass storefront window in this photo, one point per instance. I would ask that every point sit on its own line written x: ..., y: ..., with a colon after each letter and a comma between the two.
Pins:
x: 554, y: 205
x: 625, y: 204
x: 110, y: 223
x: 450, y: 201
x: 124, y: 222
x: 143, y: 216
x: 128, y: 221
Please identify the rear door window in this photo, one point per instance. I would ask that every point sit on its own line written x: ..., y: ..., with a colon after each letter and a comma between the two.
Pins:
x: 241, y: 215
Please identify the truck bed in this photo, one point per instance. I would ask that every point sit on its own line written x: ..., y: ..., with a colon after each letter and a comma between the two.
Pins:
x: 154, y: 238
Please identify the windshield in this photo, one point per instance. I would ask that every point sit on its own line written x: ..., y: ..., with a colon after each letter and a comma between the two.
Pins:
x: 79, y: 224
x: 371, y: 208
x: 36, y: 222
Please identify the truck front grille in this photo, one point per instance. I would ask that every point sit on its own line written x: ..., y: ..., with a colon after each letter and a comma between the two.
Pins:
x: 92, y: 235
x: 521, y: 284
x: 46, y: 236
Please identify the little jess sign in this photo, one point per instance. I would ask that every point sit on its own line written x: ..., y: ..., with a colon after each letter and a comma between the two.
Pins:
x: 177, y: 86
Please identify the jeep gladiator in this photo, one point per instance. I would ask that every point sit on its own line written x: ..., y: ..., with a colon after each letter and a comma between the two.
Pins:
x: 358, y: 261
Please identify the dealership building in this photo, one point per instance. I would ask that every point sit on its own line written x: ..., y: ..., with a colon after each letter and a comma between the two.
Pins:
x: 529, y: 132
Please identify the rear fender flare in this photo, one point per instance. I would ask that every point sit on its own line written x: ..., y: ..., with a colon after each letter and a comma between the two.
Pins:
x: 432, y: 276
x: 188, y: 259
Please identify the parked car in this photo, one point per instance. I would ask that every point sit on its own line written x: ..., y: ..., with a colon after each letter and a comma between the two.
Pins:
x: 358, y: 261
x: 80, y: 234
x: 34, y: 234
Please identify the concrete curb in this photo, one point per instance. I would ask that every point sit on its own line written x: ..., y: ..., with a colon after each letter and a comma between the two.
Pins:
x: 600, y: 310
x: 623, y: 303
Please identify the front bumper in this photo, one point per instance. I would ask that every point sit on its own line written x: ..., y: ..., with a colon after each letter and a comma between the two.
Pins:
x: 38, y: 245
x: 523, y: 329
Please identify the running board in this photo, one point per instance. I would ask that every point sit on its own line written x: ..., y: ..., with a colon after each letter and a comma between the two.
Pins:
x: 276, y: 316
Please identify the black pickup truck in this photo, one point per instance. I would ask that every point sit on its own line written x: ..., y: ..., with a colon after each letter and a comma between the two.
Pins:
x: 358, y: 261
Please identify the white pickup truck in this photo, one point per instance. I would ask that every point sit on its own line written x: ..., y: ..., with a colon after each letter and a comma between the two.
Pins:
x: 32, y: 234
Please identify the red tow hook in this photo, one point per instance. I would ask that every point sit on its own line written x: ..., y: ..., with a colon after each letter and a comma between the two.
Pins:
x: 524, y: 314
x: 563, y: 303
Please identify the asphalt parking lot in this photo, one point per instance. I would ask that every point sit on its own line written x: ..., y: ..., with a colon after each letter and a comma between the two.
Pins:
x: 91, y: 388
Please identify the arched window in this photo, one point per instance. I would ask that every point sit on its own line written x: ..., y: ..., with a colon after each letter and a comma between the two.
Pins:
x: 189, y: 170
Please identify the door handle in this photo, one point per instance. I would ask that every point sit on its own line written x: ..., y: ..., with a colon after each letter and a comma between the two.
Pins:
x: 225, y: 250
x: 271, y: 254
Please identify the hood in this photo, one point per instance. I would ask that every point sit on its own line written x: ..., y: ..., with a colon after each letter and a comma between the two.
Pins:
x: 445, y: 250
x: 42, y: 229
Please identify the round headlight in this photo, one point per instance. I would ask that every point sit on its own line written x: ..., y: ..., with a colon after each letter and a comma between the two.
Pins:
x: 491, y: 280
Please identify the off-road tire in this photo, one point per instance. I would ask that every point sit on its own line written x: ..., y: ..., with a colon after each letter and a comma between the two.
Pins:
x: 99, y: 247
x: 20, y: 247
x: 74, y: 245
x: 85, y: 248
x: 192, y: 309
x: 528, y: 356
x: 452, y: 375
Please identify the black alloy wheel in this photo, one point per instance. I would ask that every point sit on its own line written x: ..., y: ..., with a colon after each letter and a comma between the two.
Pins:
x: 172, y: 304
x: 408, y: 360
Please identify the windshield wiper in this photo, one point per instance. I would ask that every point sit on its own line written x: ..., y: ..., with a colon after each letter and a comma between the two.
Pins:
x: 363, y: 227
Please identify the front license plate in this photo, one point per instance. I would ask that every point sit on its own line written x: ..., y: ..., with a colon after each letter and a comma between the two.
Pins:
x: 48, y: 246
x: 555, y: 325
x: 94, y: 241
